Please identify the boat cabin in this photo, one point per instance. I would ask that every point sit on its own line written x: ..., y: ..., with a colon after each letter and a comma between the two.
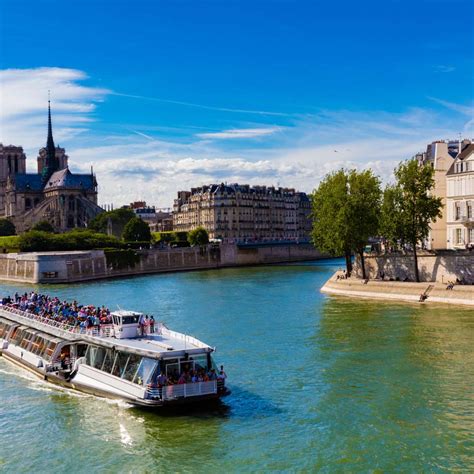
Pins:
x: 126, y: 324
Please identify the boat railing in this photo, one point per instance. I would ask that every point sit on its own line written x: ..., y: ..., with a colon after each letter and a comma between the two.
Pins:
x: 104, y: 330
x: 185, y: 390
x: 180, y: 336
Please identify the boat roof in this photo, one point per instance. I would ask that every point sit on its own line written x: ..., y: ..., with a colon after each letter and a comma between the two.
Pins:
x: 167, y: 344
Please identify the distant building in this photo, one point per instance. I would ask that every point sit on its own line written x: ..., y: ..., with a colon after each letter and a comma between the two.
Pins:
x: 64, y: 199
x: 460, y: 200
x: 243, y: 212
x: 159, y: 220
x: 441, y: 155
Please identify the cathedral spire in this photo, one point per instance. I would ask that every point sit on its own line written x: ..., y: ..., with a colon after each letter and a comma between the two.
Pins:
x: 51, y: 164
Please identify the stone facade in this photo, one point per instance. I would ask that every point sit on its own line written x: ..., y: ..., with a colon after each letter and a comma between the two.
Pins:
x: 460, y: 200
x: 54, y: 194
x: 243, y: 212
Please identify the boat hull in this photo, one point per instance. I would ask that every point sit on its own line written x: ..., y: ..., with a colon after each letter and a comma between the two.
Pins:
x: 55, y: 379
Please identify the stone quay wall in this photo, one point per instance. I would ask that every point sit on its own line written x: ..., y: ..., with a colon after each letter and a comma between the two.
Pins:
x: 442, y: 266
x: 70, y: 267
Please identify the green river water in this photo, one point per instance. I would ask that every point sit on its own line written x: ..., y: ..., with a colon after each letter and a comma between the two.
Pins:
x: 319, y: 384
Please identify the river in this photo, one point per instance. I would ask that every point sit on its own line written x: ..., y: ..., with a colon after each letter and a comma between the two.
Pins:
x: 318, y: 383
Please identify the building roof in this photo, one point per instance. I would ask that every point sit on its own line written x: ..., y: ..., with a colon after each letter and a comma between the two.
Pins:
x: 65, y: 179
x: 466, y: 152
x: 28, y: 182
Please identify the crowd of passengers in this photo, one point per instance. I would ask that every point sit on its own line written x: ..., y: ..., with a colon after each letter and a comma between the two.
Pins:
x: 189, y: 376
x: 86, y: 317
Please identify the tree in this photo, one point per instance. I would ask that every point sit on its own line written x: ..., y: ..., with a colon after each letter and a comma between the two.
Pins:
x: 118, y: 217
x: 44, y: 226
x: 136, y: 230
x: 198, y: 237
x: 409, y: 206
x: 345, y: 211
x: 7, y: 227
x: 363, y: 210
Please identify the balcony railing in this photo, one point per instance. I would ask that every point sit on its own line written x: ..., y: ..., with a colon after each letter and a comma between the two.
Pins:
x: 185, y: 390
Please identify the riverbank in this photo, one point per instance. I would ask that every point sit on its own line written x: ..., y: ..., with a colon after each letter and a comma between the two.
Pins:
x: 434, y: 292
x: 73, y: 267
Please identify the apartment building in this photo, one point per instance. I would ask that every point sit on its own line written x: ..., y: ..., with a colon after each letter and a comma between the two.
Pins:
x: 441, y: 155
x: 243, y: 212
x: 460, y: 200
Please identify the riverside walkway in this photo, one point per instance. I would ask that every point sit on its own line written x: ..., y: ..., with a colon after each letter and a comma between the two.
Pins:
x: 433, y: 292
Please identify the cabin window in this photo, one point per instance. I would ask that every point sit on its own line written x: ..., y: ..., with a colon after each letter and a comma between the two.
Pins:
x: 145, y: 371
x: 120, y: 364
x: 172, y: 368
x: 48, y: 353
x: 37, y: 345
x: 132, y: 366
x: 17, y: 336
x: 108, y: 361
x: 130, y: 319
x: 97, y: 355
x: 4, y: 327
x: 25, y: 342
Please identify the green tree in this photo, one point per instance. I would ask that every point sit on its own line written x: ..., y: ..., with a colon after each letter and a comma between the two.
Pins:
x: 118, y: 217
x: 136, y: 230
x: 363, y: 211
x: 198, y: 237
x: 44, y: 226
x: 409, y: 206
x: 7, y: 227
x: 345, y: 211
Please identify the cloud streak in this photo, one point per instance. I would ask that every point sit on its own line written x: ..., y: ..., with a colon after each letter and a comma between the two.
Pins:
x: 239, y: 133
x: 206, y: 107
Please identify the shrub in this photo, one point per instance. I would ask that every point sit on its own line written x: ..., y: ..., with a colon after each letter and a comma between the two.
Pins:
x: 177, y: 239
x: 7, y: 227
x: 40, y: 241
x: 198, y: 237
x: 44, y: 226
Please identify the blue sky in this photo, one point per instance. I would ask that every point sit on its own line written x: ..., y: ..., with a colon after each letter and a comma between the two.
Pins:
x: 160, y: 96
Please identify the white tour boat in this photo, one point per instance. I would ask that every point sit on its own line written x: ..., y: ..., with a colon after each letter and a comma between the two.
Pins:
x: 115, y: 360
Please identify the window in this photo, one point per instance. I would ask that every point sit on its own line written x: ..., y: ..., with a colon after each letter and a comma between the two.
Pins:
x: 457, y: 211
x: 108, y: 361
x: 469, y: 210
x: 471, y: 235
x: 120, y: 364
x: 459, y: 236
x: 132, y: 366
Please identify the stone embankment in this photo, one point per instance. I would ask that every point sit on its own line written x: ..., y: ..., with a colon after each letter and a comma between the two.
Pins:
x: 70, y: 267
x: 434, y: 292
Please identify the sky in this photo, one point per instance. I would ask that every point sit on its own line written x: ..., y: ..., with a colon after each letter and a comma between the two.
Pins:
x: 165, y: 96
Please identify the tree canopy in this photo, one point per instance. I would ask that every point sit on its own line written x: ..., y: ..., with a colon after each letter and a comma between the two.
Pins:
x: 409, y: 206
x: 7, y: 227
x: 136, y: 230
x: 345, y: 210
x: 119, y: 217
x: 198, y: 237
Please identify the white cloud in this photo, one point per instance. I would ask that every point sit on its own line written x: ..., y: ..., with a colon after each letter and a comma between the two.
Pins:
x: 131, y: 163
x: 240, y: 133
x: 23, y: 105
